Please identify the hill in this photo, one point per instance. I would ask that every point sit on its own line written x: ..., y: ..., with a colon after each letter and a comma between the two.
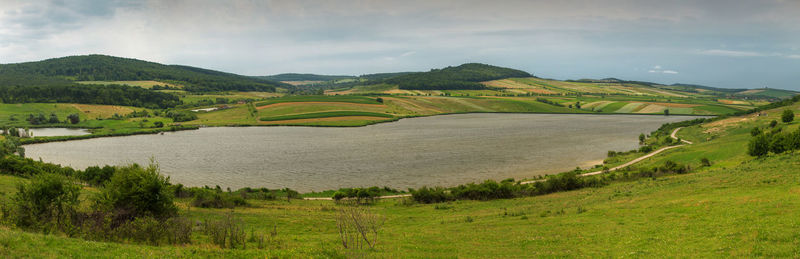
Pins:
x: 68, y: 70
x: 466, y: 76
x: 304, y: 77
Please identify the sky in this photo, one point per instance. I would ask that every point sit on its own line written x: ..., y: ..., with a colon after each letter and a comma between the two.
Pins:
x: 722, y: 43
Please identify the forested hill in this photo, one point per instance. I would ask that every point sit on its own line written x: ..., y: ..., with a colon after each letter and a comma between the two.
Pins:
x: 304, y: 77
x: 66, y: 70
x: 466, y: 76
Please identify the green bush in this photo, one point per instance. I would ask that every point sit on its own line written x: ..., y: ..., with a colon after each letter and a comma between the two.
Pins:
x: 135, y: 192
x: 217, y: 199
x: 95, y: 175
x: 47, y: 203
x: 787, y: 116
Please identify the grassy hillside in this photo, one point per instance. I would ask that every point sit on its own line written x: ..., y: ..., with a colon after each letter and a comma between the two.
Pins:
x: 59, y: 71
x: 739, y: 206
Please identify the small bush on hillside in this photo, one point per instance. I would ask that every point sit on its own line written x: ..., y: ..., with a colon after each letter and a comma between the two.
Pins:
x: 134, y: 192
x: 787, y: 116
x: 705, y: 162
x: 758, y: 146
x: 217, y: 199
x: 773, y: 123
x: 95, y: 175
x: 47, y: 203
x: 755, y: 131
x: 430, y: 195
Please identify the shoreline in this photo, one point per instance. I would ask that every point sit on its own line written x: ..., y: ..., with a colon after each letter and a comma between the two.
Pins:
x: 41, y: 140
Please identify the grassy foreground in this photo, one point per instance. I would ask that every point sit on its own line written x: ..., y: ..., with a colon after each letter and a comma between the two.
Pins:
x: 740, y: 206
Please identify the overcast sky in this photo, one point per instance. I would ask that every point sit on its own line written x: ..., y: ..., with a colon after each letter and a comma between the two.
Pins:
x: 724, y: 43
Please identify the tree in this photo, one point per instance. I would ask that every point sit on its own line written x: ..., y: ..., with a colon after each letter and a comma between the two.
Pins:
x: 642, y: 138
x: 158, y: 124
x: 666, y: 112
x: 74, y: 118
x: 773, y: 123
x: 787, y: 116
x: 759, y: 146
x: 578, y: 105
x: 53, y: 118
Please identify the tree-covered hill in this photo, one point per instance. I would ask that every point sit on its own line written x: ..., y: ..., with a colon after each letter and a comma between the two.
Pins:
x: 466, y: 76
x: 65, y: 70
x: 304, y: 77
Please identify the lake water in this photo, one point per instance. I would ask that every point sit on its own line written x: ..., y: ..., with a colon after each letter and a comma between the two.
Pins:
x: 440, y: 150
x: 49, y: 132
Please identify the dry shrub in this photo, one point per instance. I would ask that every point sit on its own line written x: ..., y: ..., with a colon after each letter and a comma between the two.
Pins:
x: 358, y: 226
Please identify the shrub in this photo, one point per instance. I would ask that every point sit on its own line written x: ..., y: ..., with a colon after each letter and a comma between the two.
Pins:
x: 758, y: 146
x: 135, y: 192
x: 430, y: 195
x: 787, y: 116
x: 47, y: 203
x: 357, y: 226
x: 74, y: 118
x: 705, y: 162
x: 773, y: 123
x: 96, y: 176
x: 755, y: 131
x: 217, y: 199
x: 152, y: 231
x: 226, y: 232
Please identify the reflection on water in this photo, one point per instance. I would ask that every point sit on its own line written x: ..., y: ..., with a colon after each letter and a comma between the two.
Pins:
x: 440, y: 150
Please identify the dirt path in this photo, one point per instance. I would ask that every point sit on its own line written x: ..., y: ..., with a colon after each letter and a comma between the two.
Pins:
x: 637, y: 160
x: 380, y: 197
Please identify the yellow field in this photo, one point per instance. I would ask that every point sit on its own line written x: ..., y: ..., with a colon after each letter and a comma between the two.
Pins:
x: 94, y: 111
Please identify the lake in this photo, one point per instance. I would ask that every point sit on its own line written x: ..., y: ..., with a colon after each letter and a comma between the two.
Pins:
x: 442, y: 150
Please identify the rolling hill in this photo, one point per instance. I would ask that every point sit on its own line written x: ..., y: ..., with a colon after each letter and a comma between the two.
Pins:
x: 464, y: 77
x: 304, y: 77
x: 69, y: 70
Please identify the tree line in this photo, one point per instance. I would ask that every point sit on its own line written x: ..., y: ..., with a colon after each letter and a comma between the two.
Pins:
x: 88, y: 94
x: 463, y: 77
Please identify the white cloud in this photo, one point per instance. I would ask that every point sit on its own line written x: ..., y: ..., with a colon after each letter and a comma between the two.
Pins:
x: 652, y: 71
x: 408, y: 53
x: 794, y: 56
x: 731, y: 53
x: 657, y: 67
x: 669, y: 72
